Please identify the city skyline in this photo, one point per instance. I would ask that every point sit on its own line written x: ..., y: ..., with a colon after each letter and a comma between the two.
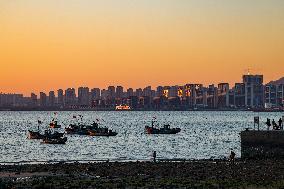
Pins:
x: 49, y: 44
x: 76, y: 88
x: 250, y: 93
x: 46, y: 91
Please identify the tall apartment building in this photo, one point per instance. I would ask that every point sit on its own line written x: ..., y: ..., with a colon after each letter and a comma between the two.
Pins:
x: 111, y: 92
x: 139, y: 92
x: 254, y: 96
x: 119, y: 92
x: 274, y: 95
x: 51, y: 98
x: 60, y: 97
x: 95, y: 94
x: 70, y: 97
x: 33, y: 100
x: 42, y: 99
x: 83, y: 96
x: 11, y: 100
x: 239, y: 95
x: 223, y: 95
x: 147, y: 91
x: 130, y: 92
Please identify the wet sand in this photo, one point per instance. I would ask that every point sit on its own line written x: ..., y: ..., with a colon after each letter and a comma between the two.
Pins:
x: 187, y: 174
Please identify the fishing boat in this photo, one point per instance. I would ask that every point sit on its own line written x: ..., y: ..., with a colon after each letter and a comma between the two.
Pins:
x: 91, y: 130
x: 34, y: 135
x: 166, y: 129
x: 61, y: 140
x: 47, y: 134
x: 76, y: 129
x: 102, y: 132
x: 54, y: 124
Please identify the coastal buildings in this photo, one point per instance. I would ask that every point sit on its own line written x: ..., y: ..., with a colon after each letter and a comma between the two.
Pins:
x: 42, y: 99
x: 70, y: 98
x: 83, y: 96
x: 51, y: 99
x: 253, y: 90
x: 274, y: 95
x: 60, y: 98
x: 251, y: 93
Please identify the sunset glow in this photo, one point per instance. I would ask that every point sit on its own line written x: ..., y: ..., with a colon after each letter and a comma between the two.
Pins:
x: 51, y: 44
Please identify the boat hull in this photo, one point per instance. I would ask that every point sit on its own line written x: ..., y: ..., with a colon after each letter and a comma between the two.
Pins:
x: 151, y: 130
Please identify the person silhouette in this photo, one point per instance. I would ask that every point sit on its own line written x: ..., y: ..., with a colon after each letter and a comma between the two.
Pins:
x: 268, y: 123
x: 154, y: 156
x: 274, y: 124
x: 232, y: 157
x: 280, y: 123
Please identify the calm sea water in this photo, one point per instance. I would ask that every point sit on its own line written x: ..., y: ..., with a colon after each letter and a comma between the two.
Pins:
x: 204, y: 135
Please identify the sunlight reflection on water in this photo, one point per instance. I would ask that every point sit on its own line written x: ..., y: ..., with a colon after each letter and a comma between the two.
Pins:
x: 204, y: 135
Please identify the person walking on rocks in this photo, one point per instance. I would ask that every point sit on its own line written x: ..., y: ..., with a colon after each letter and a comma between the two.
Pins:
x: 154, y: 156
x: 232, y: 157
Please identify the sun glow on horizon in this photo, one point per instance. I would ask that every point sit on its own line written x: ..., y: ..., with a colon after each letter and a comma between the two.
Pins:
x: 46, y: 45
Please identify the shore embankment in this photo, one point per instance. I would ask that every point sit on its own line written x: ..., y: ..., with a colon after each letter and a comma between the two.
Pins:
x: 182, y: 174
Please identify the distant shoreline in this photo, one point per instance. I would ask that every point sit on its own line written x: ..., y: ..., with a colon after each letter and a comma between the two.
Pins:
x: 112, y: 110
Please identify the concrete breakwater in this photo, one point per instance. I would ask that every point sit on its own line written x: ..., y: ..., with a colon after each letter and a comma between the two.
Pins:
x: 262, y: 144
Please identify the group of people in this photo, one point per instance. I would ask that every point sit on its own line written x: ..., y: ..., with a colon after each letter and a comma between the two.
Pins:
x: 274, y: 125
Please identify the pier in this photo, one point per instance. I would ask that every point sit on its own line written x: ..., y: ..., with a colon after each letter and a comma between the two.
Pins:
x: 262, y: 144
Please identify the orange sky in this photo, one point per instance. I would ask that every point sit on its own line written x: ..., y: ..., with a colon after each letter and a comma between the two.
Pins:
x: 51, y: 44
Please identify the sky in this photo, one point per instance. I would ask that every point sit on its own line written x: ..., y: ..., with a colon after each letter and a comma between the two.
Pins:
x: 51, y: 44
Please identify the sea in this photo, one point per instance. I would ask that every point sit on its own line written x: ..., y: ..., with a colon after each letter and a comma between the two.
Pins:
x: 204, y: 135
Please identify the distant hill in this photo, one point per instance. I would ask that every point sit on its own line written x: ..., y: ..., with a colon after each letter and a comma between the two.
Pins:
x: 277, y: 82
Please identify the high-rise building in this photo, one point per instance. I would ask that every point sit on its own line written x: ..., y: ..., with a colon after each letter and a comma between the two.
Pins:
x: 70, y: 97
x: 239, y: 93
x: 119, y: 92
x: 159, y: 91
x: 280, y: 95
x: 166, y: 91
x: 42, y: 99
x: 274, y: 95
x: 104, y: 94
x: 51, y: 98
x: 33, y: 99
x: 147, y: 91
x: 60, y: 97
x: 223, y: 95
x: 83, y: 96
x: 130, y: 92
x: 111, y: 92
x: 253, y: 90
x: 139, y: 92
x: 95, y: 93
x: 11, y: 100
x: 212, y: 96
x: 173, y: 91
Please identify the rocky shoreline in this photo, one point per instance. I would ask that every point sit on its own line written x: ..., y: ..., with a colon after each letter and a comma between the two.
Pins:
x: 183, y: 174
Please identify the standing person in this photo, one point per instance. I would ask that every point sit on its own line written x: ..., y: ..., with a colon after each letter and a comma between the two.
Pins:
x: 268, y: 123
x: 280, y: 123
x: 232, y: 157
x: 274, y: 124
x: 154, y: 156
